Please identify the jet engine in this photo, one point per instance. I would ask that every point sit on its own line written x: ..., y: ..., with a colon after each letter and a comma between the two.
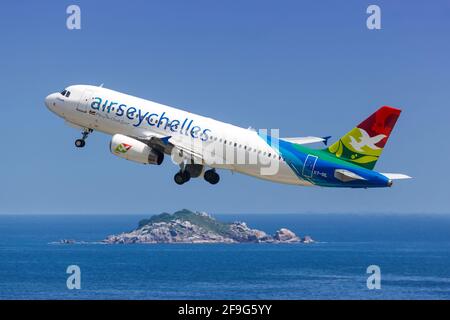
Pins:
x: 134, y: 150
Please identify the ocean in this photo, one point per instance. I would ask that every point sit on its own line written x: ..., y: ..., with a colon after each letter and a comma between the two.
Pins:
x: 412, y: 252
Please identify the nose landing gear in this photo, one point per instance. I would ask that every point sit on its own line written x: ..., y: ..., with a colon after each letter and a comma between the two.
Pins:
x: 80, y: 143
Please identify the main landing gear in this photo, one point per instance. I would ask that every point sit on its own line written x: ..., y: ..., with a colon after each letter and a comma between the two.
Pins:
x: 184, y: 175
x: 211, y: 176
x: 80, y: 143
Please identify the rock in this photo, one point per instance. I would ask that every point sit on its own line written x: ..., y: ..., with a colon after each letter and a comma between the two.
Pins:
x: 67, y: 241
x: 307, y: 239
x: 286, y: 235
x: 185, y: 226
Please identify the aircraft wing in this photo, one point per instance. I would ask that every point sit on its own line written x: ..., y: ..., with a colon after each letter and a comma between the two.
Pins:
x: 157, y: 141
x: 179, y: 148
x: 186, y: 150
x: 189, y: 151
x: 307, y: 140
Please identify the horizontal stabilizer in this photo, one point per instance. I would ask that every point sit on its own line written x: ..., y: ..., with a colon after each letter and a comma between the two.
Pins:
x: 346, y: 176
x: 305, y: 140
x: 396, y: 176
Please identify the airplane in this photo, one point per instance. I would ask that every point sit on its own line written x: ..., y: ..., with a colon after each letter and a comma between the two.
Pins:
x: 146, y: 132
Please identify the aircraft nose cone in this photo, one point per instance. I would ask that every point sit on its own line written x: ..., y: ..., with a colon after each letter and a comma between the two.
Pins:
x: 49, y: 101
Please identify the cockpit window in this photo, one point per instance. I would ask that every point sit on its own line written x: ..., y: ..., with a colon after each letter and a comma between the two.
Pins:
x: 65, y: 93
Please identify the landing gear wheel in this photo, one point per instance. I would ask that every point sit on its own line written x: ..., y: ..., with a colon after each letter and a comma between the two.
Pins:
x: 186, y: 176
x: 182, y: 177
x: 178, y: 178
x: 212, y: 176
x: 80, y: 143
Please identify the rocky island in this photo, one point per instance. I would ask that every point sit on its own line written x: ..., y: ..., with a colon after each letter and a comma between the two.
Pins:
x: 186, y: 226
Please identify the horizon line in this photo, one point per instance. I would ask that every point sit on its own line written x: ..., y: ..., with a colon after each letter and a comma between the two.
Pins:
x: 215, y: 213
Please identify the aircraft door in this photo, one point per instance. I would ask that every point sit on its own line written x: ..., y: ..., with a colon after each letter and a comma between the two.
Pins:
x: 308, y: 166
x: 85, y: 101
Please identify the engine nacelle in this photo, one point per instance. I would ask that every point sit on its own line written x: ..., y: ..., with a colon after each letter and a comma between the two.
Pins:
x: 134, y: 150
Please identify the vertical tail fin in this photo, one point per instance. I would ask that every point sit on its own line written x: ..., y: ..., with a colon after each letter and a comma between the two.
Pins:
x: 363, y: 145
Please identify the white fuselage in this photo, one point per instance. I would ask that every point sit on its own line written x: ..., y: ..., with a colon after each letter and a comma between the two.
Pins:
x: 113, y: 113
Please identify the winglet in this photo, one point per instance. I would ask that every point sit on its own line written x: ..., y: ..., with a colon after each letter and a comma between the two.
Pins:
x: 165, y: 140
x: 325, y: 140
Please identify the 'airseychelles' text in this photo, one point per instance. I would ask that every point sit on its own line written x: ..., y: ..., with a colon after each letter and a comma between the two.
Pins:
x: 152, y: 119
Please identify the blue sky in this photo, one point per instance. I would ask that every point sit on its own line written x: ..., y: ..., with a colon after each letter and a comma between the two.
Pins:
x: 306, y: 67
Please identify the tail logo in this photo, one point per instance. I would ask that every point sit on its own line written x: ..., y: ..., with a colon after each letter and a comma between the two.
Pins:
x: 366, y: 141
x: 122, y: 148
